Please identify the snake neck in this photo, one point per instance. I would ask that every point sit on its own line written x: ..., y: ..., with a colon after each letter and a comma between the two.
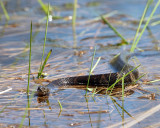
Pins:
x: 120, y: 64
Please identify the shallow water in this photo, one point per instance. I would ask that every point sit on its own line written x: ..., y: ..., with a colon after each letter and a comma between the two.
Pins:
x: 78, y: 110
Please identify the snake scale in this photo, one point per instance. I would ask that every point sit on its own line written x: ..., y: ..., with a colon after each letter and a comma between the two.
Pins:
x: 119, y: 63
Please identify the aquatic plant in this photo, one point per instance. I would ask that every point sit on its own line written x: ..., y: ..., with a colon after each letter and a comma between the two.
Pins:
x: 4, y: 10
x: 42, y: 65
x: 114, y: 30
x: 137, y: 38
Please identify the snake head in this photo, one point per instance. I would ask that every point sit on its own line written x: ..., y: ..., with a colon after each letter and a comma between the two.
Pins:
x: 43, y: 91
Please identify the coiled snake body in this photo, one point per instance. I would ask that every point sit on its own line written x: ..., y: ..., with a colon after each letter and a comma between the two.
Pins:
x: 119, y: 63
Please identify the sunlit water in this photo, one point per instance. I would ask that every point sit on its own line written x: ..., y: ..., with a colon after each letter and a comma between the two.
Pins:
x: 66, y: 61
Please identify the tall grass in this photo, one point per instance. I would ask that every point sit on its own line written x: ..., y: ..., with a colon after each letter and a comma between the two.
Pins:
x: 123, y: 87
x: 29, y: 98
x: 74, y: 14
x: 29, y: 68
x: 4, y: 10
x: 74, y: 23
x: 123, y: 100
x: 140, y: 23
x: 137, y: 38
x: 43, y: 6
x: 41, y: 66
x: 90, y: 70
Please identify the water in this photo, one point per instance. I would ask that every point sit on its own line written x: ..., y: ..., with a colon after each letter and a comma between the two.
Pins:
x: 66, y: 61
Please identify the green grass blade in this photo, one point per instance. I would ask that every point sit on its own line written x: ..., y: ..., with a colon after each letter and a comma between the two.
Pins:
x: 153, y: 81
x: 27, y: 106
x: 95, y: 64
x: 122, y: 108
x: 74, y: 14
x: 140, y: 23
x: 4, y: 10
x: 40, y: 70
x: 90, y: 70
x: 123, y: 88
x: 44, y: 63
x: 139, y: 78
x: 43, y: 6
x: 114, y: 30
x: 112, y: 86
x: 60, y: 105
x: 74, y: 24
x: 147, y: 22
x: 29, y: 68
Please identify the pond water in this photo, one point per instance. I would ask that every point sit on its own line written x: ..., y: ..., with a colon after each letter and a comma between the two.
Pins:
x: 71, y: 56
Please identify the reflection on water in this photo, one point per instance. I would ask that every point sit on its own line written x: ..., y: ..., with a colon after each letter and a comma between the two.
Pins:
x: 95, y: 110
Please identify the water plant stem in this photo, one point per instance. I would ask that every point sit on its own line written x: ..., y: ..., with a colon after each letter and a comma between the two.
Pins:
x: 29, y: 68
x: 139, y: 26
x: 74, y: 14
x: 40, y: 70
x: 147, y: 22
x: 74, y: 23
x: 114, y: 30
x: 4, y: 10
x: 90, y: 70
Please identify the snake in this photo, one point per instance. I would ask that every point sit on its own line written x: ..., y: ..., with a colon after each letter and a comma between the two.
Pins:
x: 120, y: 65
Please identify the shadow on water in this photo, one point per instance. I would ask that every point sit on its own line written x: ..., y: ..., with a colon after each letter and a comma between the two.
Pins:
x: 69, y: 107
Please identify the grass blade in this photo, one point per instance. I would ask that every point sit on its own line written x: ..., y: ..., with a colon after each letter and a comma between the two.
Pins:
x: 27, y: 106
x: 114, y: 101
x: 40, y: 70
x: 60, y: 105
x: 29, y: 68
x: 43, y: 6
x: 112, y: 86
x: 4, y: 10
x: 114, y: 30
x: 123, y: 87
x: 90, y: 70
x: 95, y: 64
x: 44, y: 63
x: 74, y: 24
x: 140, y: 23
x: 74, y: 14
x: 147, y: 22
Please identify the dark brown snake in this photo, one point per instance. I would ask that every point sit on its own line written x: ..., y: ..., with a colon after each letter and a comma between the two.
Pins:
x: 118, y: 63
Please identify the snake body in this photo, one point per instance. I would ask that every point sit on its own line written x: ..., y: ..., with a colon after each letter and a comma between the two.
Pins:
x: 119, y: 63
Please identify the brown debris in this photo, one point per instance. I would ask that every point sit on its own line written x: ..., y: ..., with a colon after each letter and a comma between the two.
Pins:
x: 40, y: 80
x: 67, y: 114
x: 19, y: 78
x: 149, y: 96
x: 47, y: 65
x: 79, y: 53
x: 93, y: 112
